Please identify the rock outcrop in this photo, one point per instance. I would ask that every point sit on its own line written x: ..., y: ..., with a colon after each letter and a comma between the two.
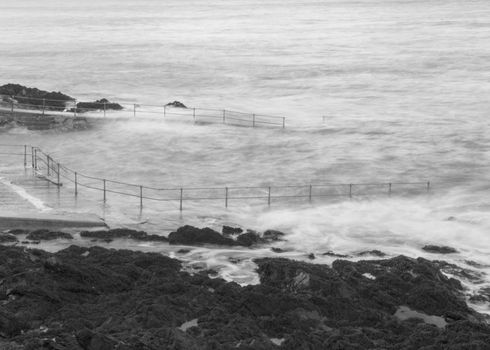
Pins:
x: 96, y: 298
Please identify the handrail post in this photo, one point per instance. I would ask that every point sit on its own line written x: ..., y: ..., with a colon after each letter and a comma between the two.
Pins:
x: 428, y: 186
x: 194, y: 114
x: 224, y: 116
x: 164, y: 111
x: 350, y: 190
x: 269, y: 197
x: 44, y: 105
x: 58, y: 174
x: 32, y: 157
x: 12, y: 107
x: 47, y: 161
x: 76, y: 184
x: 75, y: 109
x: 134, y: 110
x: 253, y: 120
x: 105, y: 197
x: 389, y: 189
x: 284, y: 122
x: 310, y: 194
x: 141, y: 197
x: 35, y: 158
x: 25, y: 156
x: 104, y: 108
x: 226, y: 197
x: 181, y: 198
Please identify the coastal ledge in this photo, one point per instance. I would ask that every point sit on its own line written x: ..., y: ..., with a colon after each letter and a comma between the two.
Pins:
x: 96, y: 299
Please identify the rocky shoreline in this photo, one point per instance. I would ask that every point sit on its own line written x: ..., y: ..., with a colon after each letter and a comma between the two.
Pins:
x: 94, y: 298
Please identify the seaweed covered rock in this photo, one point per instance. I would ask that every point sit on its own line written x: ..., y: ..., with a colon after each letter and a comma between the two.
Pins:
x: 190, y: 235
x: 47, y: 235
x: 96, y: 298
x: 109, y: 235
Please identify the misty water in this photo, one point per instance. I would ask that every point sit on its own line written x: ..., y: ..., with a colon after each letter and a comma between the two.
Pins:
x: 403, y: 88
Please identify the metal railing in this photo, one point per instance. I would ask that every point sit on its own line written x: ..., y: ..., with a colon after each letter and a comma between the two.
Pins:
x: 44, y: 165
x: 44, y: 107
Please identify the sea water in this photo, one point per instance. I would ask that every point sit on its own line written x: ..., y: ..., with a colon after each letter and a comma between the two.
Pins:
x: 373, y: 91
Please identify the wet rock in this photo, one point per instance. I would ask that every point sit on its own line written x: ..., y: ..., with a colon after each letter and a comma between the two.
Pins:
x: 374, y: 252
x: 189, y: 235
x: 47, y: 235
x: 176, y: 104
x: 273, y: 235
x: 277, y: 250
x: 110, y: 235
x: 7, y: 238
x: 96, y: 298
x: 470, y: 275
x: 228, y: 230
x: 248, y: 239
x: 311, y: 256
x: 439, y: 249
x: 35, y: 97
x: 330, y: 253
x: 98, y: 105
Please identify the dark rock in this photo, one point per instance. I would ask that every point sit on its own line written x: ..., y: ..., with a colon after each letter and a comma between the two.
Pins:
x: 228, y: 230
x: 277, y: 250
x: 248, y: 239
x: 273, y: 235
x: 439, y: 249
x: 110, y: 235
x: 7, y: 238
x: 98, y: 105
x: 35, y: 97
x: 311, y: 256
x: 330, y: 253
x: 17, y: 231
x: 96, y: 298
x: 374, y: 252
x: 47, y: 235
x: 176, y: 104
x: 183, y: 251
x: 189, y: 235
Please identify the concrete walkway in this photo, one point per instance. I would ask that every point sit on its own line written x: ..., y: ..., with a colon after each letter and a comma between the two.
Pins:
x: 29, y: 203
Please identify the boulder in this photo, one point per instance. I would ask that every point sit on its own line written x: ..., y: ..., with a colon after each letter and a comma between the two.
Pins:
x: 439, y: 249
x: 98, y: 105
x: 7, y: 238
x: 189, y: 235
x: 176, y: 104
x: 228, y: 230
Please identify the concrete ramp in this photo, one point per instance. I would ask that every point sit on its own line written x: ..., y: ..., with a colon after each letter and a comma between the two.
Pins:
x: 32, y: 220
x: 19, y: 208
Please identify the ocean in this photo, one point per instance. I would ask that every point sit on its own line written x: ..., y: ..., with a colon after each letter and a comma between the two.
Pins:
x: 373, y: 91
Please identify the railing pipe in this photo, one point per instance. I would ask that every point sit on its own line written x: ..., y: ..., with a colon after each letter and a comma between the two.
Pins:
x: 25, y: 156
x: 105, y: 196
x: 76, y: 183
x: 269, y: 197
x: 141, y: 197
x: 32, y: 157
x: 181, y: 198
x: 164, y: 111
x: 226, y: 197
